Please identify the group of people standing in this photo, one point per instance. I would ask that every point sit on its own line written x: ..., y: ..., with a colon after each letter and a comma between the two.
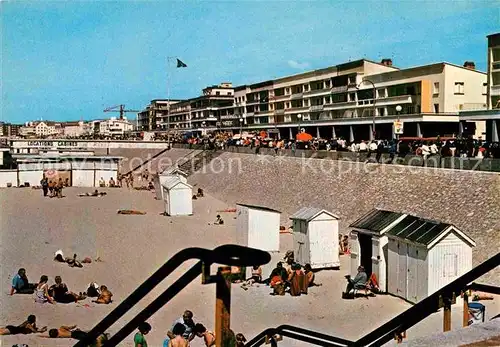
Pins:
x: 53, y: 188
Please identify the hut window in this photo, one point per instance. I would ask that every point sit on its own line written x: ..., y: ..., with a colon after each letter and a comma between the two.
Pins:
x: 450, y: 264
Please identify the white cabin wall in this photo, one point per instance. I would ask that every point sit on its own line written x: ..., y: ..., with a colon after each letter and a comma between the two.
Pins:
x: 242, y: 225
x: 263, y: 227
x: 355, y: 252
x: 448, y: 260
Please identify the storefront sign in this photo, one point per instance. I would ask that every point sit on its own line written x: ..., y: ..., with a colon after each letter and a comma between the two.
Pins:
x: 398, y: 127
x: 52, y: 144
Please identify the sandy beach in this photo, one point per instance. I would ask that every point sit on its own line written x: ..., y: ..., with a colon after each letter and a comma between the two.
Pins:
x: 133, y: 247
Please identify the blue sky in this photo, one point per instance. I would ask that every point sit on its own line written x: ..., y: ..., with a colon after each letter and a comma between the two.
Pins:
x: 69, y: 60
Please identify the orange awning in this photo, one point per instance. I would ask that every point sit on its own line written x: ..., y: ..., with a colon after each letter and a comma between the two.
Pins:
x: 303, y: 137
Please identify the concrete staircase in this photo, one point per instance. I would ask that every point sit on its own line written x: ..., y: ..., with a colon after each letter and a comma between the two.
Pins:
x: 198, y: 161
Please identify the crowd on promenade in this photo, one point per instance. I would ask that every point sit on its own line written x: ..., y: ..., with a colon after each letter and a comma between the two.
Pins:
x: 446, y: 147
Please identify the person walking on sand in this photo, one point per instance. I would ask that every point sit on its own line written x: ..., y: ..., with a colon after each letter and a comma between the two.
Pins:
x: 139, y: 339
x: 178, y: 340
x: 45, y: 185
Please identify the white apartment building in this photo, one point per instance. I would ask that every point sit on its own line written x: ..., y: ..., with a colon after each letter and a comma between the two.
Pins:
x: 155, y: 115
x: 112, y: 127
x: 354, y: 100
x: 489, y: 119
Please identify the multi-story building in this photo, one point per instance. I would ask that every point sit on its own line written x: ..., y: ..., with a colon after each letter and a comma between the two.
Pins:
x: 488, y: 119
x: 9, y: 129
x: 155, y: 115
x: 204, y: 112
x: 41, y: 129
x: 354, y: 100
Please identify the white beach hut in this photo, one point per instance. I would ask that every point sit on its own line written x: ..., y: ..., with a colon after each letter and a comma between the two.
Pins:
x: 161, y: 178
x: 368, y: 243
x: 178, y: 197
x: 424, y: 256
x: 258, y: 227
x: 316, y: 237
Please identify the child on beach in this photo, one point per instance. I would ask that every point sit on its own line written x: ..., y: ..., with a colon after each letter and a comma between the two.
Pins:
x: 42, y: 291
x: 139, y: 339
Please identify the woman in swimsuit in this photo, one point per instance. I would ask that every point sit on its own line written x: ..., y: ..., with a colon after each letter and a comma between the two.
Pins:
x: 27, y: 327
x: 61, y: 293
x: 42, y: 291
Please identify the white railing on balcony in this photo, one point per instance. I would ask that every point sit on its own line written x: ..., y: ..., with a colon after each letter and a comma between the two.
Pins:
x: 316, y: 108
x: 296, y: 96
x: 341, y: 89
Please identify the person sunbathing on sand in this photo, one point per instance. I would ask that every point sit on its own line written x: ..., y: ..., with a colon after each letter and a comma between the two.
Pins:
x: 72, y: 262
x: 71, y: 332
x: 27, y: 327
x: 104, y: 296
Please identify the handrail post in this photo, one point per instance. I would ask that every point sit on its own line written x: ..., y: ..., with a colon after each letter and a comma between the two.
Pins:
x: 446, y: 314
x: 223, y: 334
x: 465, y: 318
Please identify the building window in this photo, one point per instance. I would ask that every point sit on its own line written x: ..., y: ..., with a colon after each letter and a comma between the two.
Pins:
x: 327, y: 84
x: 352, y: 79
x: 352, y: 96
x: 485, y: 88
x: 381, y: 93
x: 435, y: 91
x: 436, y: 108
x: 381, y: 112
x: 459, y: 88
x: 228, y: 93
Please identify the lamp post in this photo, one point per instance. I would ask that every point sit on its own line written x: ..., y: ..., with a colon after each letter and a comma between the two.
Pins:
x: 299, y: 117
x: 374, y: 98
x: 241, y: 126
x: 398, y: 111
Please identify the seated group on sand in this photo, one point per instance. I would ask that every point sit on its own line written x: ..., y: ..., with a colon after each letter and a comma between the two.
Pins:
x: 58, y: 292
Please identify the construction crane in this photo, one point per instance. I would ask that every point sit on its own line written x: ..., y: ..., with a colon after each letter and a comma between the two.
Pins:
x: 121, y: 109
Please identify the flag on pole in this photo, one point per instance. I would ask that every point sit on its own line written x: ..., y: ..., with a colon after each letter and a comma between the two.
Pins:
x: 180, y: 63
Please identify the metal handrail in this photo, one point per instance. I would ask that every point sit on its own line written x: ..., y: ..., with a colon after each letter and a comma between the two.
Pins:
x: 232, y: 255
x: 398, y: 324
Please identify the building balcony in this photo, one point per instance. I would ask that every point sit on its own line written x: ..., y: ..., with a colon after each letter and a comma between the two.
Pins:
x: 316, y: 108
x: 230, y: 116
x: 279, y: 112
x: 252, y: 102
x: 337, y: 90
x: 340, y: 105
x: 296, y: 110
x: 495, y: 90
x: 279, y: 98
x: 296, y: 96
x: 317, y: 92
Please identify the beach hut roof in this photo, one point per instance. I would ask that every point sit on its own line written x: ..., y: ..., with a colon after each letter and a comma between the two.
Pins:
x: 309, y: 213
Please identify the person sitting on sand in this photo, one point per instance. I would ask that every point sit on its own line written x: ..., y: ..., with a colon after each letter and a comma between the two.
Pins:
x: 151, y: 185
x: 255, y: 278
x: 93, y: 290
x: 42, y: 291
x: 52, y: 185
x: 178, y: 340
x: 359, y: 282
x: 310, y: 276
x: 208, y: 336
x: 71, y: 332
x: 219, y: 220
x: 111, y: 182
x: 27, y: 327
x: 104, y: 297
x: 199, y: 194
x: 102, y: 183
x: 61, y: 294
x: 296, y: 280
x: 139, y: 339
x: 20, y: 284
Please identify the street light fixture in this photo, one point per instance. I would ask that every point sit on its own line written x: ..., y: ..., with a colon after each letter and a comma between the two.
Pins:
x: 299, y: 117
x: 241, y: 126
x: 398, y: 111
x: 374, y: 98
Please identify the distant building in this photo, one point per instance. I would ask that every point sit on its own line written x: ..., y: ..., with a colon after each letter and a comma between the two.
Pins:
x: 111, y: 127
x: 155, y: 115
x: 76, y: 129
x: 9, y: 129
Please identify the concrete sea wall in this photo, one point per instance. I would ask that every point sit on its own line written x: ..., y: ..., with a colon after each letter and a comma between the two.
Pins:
x: 468, y: 199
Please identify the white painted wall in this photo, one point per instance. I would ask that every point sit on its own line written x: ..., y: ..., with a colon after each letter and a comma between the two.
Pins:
x: 8, y: 176
x: 473, y: 87
x: 242, y: 216
x: 324, y: 241
x: 33, y: 177
x: 448, y: 260
x: 379, y: 260
x: 83, y: 178
x: 180, y: 202
x: 355, y: 252
x: 264, y: 230
x: 301, y: 250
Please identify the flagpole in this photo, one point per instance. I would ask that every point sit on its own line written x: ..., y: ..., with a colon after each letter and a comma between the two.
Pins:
x: 169, y: 59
